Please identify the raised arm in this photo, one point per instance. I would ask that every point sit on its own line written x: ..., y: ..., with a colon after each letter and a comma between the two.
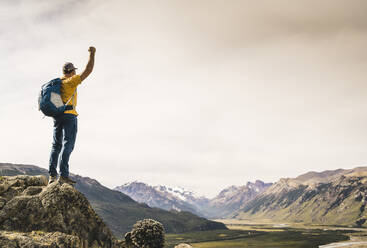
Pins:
x: 89, y: 68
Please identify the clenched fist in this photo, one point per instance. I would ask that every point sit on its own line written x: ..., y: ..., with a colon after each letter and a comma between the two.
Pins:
x: 92, y: 50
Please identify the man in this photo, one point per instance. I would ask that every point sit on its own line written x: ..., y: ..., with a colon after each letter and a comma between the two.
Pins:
x: 66, y: 125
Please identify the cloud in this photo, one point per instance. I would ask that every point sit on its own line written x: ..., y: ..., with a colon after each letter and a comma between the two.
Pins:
x: 202, y: 93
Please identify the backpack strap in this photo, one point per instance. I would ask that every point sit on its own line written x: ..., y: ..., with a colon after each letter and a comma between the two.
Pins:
x: 71, y: 97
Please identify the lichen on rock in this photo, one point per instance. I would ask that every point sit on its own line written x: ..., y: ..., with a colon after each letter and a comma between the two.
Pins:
x: 34, y: 214
x: 55, y: 215
x: 38, y: 239
x: 147, y: 233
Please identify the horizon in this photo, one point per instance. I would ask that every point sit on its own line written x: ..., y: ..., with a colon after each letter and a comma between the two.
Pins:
x: 200, y: 94
x: 189, y: 189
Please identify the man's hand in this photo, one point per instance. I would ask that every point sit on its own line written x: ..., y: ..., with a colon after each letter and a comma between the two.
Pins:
x: 92, y: 50
x: 89, y: 68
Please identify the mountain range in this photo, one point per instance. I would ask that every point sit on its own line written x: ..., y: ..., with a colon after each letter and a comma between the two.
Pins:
x: 168, y: 198
x: 160, y: 196
x: 333, y: 197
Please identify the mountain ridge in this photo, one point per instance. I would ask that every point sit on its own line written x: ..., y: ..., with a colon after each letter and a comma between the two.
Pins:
x: 157, y: 196
x: 329, y: 197
x: 228, y: 200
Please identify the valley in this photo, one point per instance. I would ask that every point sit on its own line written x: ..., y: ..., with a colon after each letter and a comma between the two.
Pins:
x: 267, y: 234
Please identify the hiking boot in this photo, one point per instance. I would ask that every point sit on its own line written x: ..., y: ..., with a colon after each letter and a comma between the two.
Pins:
x: 52, y: 179
x: 66, y: 180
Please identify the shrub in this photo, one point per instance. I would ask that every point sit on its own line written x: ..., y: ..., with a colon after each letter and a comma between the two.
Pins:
x: 147, y: 233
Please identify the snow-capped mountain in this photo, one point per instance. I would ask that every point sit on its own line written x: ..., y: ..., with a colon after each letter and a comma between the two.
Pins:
x: 178, y: 192
x: 168, y: 198
x: 179, y: 199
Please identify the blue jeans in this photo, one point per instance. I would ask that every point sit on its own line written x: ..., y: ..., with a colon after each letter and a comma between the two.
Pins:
x: 65, y: 129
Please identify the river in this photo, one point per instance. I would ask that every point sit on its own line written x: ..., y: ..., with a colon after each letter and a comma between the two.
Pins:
x: 343, y: 244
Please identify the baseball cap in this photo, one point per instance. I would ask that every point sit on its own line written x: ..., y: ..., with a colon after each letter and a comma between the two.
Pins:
x: 68, y: 67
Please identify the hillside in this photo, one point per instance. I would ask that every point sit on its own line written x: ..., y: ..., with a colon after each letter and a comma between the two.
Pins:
x: 118, y: 210
x: 233, y: 198
x: 330, y: 197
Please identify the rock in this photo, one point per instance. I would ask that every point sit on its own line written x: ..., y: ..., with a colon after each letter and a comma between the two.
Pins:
x: 183, y: 246
x: 60, y: 215
x: 38, y: 240
x: 2, y: 202
x: 4, y: 186
x: 14, y: 186
x: 358, y: 197
x: 129, y: 241
x: 32, y: 190
x: 360, y: 222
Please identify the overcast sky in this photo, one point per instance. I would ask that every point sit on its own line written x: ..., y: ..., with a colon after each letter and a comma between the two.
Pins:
x: 198, y: 94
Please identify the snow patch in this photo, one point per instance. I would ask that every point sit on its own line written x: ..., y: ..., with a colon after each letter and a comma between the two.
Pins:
x: 177, y: 192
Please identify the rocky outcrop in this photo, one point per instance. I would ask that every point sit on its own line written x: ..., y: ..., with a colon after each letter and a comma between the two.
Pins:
x: 38, y: 239
x: 34, y: 214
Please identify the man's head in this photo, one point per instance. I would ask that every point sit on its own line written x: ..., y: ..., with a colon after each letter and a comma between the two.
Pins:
x: 68, y: 69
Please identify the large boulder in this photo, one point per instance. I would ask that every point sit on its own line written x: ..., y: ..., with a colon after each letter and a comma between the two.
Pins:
x: 59, y: 214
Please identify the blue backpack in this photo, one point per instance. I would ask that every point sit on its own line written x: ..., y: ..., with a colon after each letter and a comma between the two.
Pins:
x: 50, y: 101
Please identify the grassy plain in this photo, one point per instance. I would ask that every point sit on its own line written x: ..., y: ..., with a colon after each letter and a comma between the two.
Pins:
x: 264, y: 234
